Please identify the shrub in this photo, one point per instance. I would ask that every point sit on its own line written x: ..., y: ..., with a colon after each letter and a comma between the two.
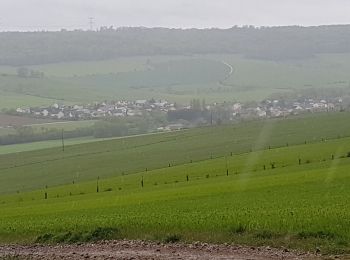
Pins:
x: 102, y: 234
x: 64, y: 237
x: 74, y: 237
x: 44, y: 238
x: 240, y: 229
x: 316, y: 234
x: 172, y: 238
x: 265, y: 234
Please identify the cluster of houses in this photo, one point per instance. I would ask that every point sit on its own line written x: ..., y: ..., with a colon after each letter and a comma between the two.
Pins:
x: 266, y: 108
x: 283, y: 108
x: 98, y: 110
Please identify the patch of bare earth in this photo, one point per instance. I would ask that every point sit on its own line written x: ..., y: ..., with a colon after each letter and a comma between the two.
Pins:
x: 140, y: 250
x: 8, y: 120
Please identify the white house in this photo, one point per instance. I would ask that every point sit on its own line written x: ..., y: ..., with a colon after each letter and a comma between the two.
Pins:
x: 45, y: 112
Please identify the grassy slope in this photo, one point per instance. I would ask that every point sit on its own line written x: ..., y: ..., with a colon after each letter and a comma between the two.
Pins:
x: 321, y: 71
x: 94, y: 67
x: 28, y: 147
x: 302, y: 206
x: 13, y: 100
x: 177, y: 78
x: 35, y: 169
x: 128, y: 78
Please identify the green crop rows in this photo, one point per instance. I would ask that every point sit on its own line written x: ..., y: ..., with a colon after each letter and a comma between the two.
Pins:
x: 273, y: 189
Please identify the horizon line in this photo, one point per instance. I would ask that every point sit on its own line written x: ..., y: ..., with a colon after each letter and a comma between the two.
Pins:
x: 112, y: 27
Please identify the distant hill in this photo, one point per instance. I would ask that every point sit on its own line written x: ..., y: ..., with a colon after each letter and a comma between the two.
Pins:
x: 271, y: 43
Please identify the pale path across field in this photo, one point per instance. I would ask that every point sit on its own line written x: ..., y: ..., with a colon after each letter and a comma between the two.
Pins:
x: 148, y: 250
x: 231, y: 69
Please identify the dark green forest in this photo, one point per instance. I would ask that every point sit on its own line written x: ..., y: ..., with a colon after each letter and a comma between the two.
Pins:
x: 271, y: 43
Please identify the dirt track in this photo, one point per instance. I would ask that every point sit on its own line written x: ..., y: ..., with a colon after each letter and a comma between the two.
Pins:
x: 139, y: 250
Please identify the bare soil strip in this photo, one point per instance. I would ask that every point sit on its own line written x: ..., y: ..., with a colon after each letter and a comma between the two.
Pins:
x: 8, y: 120
x: 139, y: 250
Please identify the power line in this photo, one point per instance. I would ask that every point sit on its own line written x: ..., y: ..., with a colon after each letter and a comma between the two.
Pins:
x: 91, y: 22
x: 62, y: 139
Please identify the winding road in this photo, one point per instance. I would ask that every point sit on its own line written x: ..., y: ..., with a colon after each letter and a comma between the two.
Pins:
x: 230, y: 67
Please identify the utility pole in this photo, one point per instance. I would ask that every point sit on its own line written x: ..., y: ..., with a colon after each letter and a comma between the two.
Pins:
x: 62, y: 140
x: 91, y: 23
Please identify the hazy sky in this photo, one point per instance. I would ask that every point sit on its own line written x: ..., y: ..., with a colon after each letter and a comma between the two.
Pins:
x: 55, y: 14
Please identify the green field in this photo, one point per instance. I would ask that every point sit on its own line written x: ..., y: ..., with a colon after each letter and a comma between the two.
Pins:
x: 14, y: 99
x: 65, y: 125
x: 176, y: 78
x: 242, y: 183
x: 93, y: 67
x: 26, y: 147
x: 40, y: 127
x: 16, y: 148
x: 26, y: 171
x: 322, y: 71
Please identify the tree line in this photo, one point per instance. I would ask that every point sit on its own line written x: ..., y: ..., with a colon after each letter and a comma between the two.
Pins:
x: 273, y: 43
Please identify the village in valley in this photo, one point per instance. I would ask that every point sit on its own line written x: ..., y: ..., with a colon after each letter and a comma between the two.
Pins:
x: 107, y: 109
x: 98, y: 110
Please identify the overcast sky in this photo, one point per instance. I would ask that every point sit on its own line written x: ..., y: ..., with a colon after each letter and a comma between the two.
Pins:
x: 55, y: 14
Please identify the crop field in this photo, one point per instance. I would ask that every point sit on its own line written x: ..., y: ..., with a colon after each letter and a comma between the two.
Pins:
x: 26, y: 147
x: 176, y: 78
x: 254, y: 183
x: 72, y: 69
x: 323, y: 71
x: 13, y: 99
x: 7, y: 120
x: 65, y: 125
x: 303, y: 206
x: 27, y: 171
x: 10, y: 123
